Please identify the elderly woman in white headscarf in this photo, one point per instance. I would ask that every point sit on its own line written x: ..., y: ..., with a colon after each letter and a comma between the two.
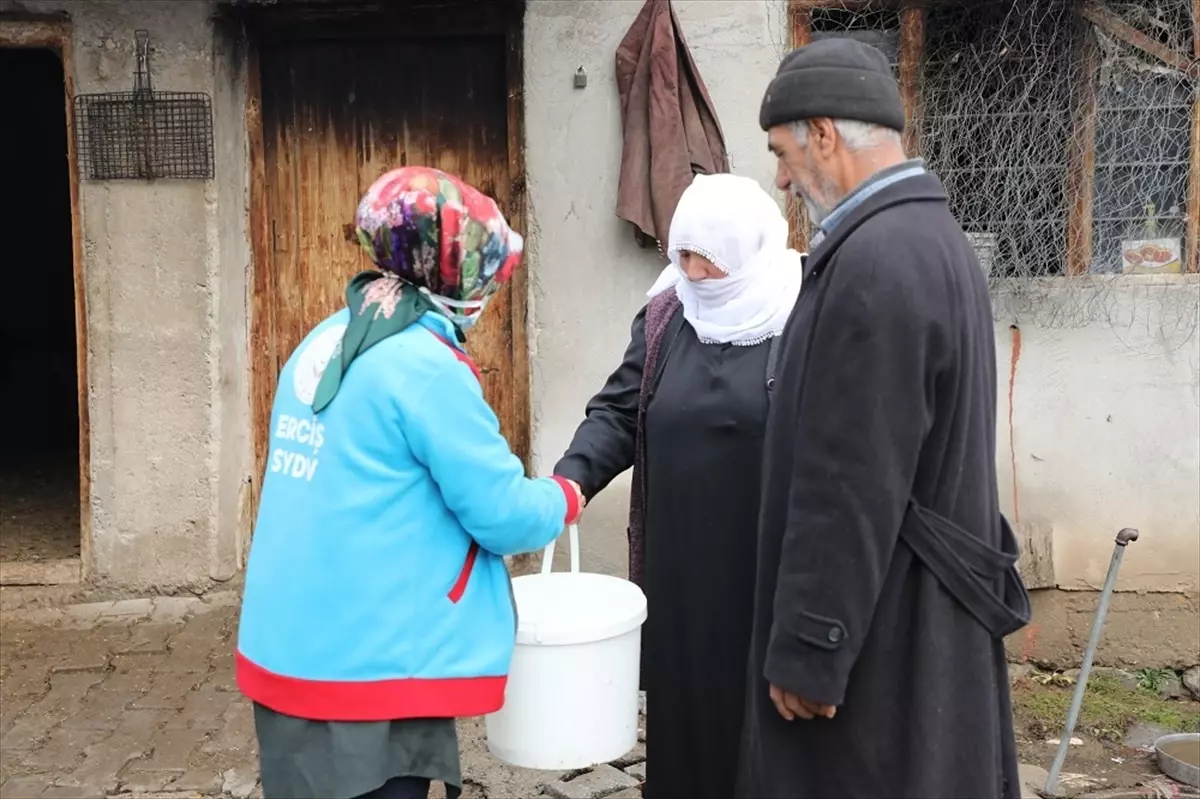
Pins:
x: 686, y: 409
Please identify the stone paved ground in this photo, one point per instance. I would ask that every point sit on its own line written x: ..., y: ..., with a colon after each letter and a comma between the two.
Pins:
x: 136, y: 698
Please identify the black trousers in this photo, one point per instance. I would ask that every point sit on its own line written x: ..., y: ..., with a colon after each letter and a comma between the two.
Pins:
x: 400, y: 788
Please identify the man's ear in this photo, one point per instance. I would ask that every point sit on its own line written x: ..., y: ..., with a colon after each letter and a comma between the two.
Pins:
x: 822, y: 136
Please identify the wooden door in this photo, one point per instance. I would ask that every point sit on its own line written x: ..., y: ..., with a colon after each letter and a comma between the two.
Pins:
x: 338, y: 113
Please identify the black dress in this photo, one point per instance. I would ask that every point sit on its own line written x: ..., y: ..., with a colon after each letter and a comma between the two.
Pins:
x: 704, y: 443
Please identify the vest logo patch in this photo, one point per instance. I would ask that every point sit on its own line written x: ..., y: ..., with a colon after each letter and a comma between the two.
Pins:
x: 313, y: 360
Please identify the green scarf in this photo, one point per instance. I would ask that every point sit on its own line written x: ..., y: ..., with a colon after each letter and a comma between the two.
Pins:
x: 370, y: 323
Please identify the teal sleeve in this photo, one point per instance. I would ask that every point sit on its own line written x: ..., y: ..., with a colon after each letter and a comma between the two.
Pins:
x: 456, y: 435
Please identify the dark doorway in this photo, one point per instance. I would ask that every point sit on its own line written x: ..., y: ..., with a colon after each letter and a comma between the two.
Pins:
x: 39, y: 447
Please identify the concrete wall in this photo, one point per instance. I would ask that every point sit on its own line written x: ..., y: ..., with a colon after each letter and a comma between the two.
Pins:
x: 577, y: 247
x: 1104, y: 377
x: 164, y: 266
x: 1105, y: 426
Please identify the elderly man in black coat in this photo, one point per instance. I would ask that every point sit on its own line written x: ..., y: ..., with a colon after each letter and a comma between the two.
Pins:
x: 886, y: 576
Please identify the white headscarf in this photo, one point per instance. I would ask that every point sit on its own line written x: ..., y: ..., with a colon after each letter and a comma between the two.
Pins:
x: 732, y: 222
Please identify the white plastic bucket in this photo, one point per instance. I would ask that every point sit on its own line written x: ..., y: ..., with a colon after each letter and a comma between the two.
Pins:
x: 572, y: 698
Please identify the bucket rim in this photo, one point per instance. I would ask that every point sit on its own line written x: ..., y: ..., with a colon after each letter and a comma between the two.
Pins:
x: 529, y: 634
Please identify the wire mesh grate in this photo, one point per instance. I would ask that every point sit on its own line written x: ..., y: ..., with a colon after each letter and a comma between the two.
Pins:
x: 145, y: 135
x: 1062, y: 132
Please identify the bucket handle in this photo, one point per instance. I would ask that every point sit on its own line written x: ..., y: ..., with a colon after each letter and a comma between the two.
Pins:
x: 548, y: 552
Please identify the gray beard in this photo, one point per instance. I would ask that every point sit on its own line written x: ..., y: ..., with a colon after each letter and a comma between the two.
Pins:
x: 819, y: 208
x: 816, y: 211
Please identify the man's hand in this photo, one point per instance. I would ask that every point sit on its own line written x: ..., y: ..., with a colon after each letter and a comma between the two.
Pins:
x: 790, y: 706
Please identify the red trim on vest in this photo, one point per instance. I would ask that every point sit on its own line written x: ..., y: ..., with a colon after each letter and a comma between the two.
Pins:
x: 462, y: 356
x: 460, y: 585
x: 380, y: 700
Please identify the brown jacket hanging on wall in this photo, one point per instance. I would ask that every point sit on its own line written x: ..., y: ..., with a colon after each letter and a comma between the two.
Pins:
x: 668, y: 122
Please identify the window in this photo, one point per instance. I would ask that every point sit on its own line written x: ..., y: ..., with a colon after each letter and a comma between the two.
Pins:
x: 1063, y: 131
x: 1143, y: 115
x: 996, y: 88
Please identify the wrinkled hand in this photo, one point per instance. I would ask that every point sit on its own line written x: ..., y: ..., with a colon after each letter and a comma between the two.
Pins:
x: 791, y: 706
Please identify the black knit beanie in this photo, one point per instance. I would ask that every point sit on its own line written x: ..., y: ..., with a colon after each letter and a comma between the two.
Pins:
x: 836, y: 78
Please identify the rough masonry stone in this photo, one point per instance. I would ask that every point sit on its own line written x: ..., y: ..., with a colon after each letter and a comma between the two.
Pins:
x: 1191, y: 681
x: 600, y: 782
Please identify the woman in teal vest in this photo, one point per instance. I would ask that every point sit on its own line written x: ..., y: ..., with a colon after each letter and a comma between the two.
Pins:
x: 377, y: 606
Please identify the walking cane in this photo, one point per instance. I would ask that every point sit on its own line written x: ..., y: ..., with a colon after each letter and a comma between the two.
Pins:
x: 1124, y: 538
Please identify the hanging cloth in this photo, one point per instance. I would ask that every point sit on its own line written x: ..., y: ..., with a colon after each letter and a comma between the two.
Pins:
x: 668, y: 123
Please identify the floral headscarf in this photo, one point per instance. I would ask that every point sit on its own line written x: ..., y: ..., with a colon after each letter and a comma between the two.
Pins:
x: 434, y: 231
x: 440, y: 244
